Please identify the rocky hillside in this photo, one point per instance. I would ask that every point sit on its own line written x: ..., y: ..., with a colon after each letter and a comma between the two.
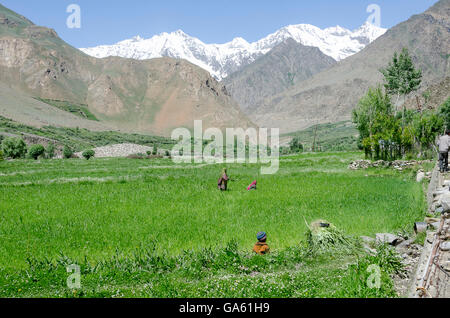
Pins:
x: 153, y: 96
x: 430, y: 97
x: 330, y: 96
x: 286, y: 65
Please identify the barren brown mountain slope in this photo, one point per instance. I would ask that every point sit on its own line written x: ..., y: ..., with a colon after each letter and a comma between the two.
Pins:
x: 430, y: 97
x: 153, y: 96
x: 331, y: 95
x: 280, y: 69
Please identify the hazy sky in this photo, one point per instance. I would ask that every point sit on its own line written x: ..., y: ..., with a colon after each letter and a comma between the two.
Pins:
x: 110, y: 21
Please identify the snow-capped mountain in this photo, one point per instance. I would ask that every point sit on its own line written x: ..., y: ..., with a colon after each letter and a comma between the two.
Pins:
x: 223, y: 59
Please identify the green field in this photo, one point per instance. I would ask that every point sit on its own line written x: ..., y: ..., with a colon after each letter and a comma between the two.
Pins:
x: 149, y: 228
x: 341, y: 136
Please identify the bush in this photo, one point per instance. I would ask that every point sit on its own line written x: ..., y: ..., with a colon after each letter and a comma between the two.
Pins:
x: 1, y: 155
x: 35, y: 151
x: 50, y: 151
x: 67, y: 152
x: 155, y: 150
x: 88, y: 154
x: 14, y: 148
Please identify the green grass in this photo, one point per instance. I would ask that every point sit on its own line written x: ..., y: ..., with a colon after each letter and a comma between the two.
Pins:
x: 147, y: 228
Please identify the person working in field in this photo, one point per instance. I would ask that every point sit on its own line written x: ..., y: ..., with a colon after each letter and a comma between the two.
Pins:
x: 444, y: 145
x: 222, y: 184
x: 252, y: 186
x: 261, y: 247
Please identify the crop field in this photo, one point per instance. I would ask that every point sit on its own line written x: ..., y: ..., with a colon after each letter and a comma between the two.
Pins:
x: 150, y: 228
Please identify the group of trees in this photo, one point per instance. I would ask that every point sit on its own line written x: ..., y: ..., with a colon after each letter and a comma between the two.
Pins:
x: 16, y: 148
x: 388, y: 131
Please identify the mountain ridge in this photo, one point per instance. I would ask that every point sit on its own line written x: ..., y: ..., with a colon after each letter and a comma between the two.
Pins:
x: 152, y: 96
x: 222, y: 60
x: 330, y: 95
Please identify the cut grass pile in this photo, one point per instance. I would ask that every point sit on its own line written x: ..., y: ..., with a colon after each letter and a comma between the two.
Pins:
x: 153, y: 229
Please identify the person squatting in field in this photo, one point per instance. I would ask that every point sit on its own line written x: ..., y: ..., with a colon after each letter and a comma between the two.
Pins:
x: 222, y: 184
x: 252, y: 186
x: 261, y: 247
x: 444, y: 145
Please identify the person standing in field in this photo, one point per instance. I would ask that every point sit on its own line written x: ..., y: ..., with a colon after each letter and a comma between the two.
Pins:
x: 261, y: 247
x: 444, y: 145
x: 222, y: 184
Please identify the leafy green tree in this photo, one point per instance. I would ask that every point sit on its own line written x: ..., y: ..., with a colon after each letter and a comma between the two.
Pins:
x: 444, y: 112
x: 14, y: 148
x: 36, y: 151
x: 295, y: 145
x: 380, y: 132
x: 67, y: 152
x: 426, y: 128
x: 88, y: 154
x: 155, y: 150
x: 401, y: 77
x: 50, y: 151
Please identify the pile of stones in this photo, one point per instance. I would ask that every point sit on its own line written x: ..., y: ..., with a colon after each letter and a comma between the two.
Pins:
x: 397, y: 165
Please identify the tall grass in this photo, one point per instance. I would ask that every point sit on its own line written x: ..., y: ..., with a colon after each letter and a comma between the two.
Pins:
x: 149, y: 222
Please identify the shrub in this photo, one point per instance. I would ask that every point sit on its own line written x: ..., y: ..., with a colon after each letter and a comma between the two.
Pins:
x: 14, y: 148
x: 149, y: 153
x: 67, y: 152
x: 88, y: 154
x: 50, y: 151
x: 136, y: 156
x: 1, y: 155
x: 155, y: 150
x: 35, y: 151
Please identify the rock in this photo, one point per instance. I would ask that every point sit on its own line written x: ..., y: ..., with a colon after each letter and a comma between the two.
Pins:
x: 420, y: 227
x: 388, y: 238
x: 435, y: 225
x: 420, y: 177
x: 367, y: 239
x: 405, y: 247
x: 439, y: 210
x: 445, y: 203
x: 445, y: 246
x: 431, y: 220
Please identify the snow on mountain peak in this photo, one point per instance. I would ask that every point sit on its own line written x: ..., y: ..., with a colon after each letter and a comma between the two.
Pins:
x: 223, y: 59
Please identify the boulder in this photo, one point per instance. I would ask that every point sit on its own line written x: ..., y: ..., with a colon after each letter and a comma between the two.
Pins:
x: 435, y: 225
x: 420, y: 227
x: 420, y: 177
x: 367, y: 239
x: 388, y: 238
x: 445, y: 246
x: 432, y: 220
x: 445, y: 203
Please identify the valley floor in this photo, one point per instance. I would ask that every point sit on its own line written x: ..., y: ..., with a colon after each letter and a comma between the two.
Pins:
x: 150, y: 228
